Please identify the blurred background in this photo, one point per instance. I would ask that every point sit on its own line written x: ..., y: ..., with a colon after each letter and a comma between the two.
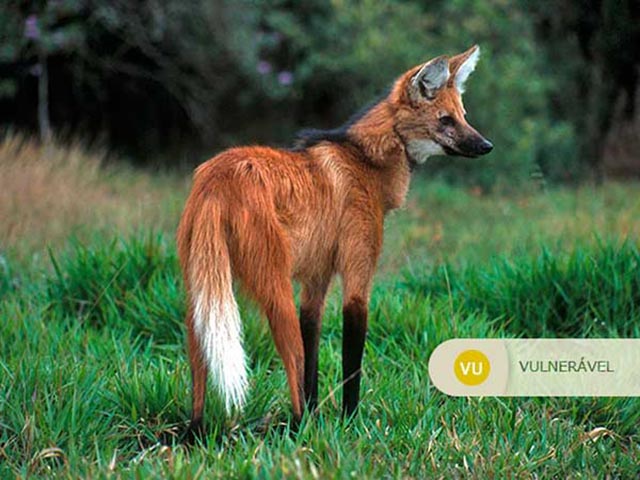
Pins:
x: 172, y: 82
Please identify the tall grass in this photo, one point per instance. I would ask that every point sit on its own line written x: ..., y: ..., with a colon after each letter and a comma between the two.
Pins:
x: 95, y: 378
x: 137, y: 285
x: 445, y: 224
x: 586, y: 292
x: 51, y: 191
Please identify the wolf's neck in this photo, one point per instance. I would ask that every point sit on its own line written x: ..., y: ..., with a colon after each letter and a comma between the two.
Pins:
x: 384, y: 153
x: 375, y: 135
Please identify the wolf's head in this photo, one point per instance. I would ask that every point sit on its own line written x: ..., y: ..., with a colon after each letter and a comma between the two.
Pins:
x: 430, y: 117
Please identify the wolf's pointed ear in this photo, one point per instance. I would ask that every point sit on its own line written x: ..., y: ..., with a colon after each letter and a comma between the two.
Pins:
x: 462, y: 65
x: 430, y: 78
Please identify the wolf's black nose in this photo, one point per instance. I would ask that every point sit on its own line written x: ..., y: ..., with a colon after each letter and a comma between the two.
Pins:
x: 485, y: 147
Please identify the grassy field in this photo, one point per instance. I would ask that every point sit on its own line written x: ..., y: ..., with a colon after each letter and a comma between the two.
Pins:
x: 94, y: 380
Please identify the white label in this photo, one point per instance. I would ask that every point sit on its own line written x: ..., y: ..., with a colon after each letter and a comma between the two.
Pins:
x: 537, y: 367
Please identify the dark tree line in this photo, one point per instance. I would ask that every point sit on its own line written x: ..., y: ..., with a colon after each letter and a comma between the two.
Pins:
x: 157, y: 79
x: 607, y: 71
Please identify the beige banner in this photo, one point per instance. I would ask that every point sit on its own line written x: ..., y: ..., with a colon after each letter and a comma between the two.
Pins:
x: 537, y: 367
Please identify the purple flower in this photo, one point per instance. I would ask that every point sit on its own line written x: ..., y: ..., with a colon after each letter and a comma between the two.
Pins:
x: 285, y: 78
x: 31, y: 28
x: 264, y: 67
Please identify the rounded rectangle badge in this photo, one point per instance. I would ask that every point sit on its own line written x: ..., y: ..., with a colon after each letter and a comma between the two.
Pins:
x: 537, y: 367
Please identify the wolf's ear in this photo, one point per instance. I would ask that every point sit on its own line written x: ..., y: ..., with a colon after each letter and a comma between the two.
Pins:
x: 462, y: 65
x: 430, y: 78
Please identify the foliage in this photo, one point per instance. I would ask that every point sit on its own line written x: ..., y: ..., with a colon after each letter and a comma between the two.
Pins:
x: 57, y: 28
x: 599, y: 76
x: 159, y: 76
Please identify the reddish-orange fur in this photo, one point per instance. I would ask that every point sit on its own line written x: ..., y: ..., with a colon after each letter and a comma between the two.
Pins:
x: 305, y: 215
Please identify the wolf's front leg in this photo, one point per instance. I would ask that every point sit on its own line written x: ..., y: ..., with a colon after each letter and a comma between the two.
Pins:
x: 358, y: 257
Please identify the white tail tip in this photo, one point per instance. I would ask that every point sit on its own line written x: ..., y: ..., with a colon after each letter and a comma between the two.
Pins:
x: 218, y: 327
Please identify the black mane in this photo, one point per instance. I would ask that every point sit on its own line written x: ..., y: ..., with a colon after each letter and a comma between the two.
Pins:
x: 309, y: 137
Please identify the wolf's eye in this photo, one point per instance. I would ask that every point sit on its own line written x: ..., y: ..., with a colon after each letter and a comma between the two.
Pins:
x: 447, y: 121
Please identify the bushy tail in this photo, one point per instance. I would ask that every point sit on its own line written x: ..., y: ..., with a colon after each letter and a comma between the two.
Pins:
x: 216, y: 319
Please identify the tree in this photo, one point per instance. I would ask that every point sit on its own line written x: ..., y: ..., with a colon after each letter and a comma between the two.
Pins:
x: 602, y: 36
x: 49, y: 28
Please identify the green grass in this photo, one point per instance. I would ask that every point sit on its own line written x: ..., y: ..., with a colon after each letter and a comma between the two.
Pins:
x: 93, y: 368
x: 590, y: 292
x: 94, y: 372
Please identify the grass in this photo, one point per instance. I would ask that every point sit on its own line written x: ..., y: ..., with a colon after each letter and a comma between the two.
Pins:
x: 93, y: 370
x: 591, y: 291
x: 51, y: 192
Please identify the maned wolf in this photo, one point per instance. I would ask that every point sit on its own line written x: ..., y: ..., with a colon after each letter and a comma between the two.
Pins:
x: 267, y: 216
